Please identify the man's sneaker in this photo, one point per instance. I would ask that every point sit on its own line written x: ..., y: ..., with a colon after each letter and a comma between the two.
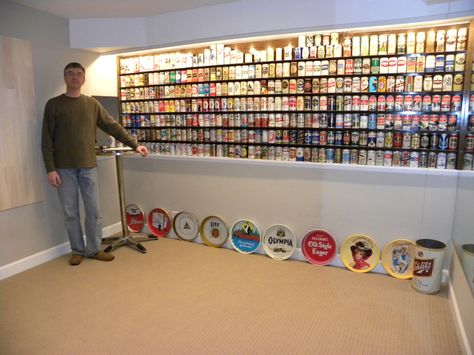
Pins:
x: 103, y: 256
x: 75, y: 259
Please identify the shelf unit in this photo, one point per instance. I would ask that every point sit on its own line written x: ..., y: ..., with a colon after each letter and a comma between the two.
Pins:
x: 323, y: 98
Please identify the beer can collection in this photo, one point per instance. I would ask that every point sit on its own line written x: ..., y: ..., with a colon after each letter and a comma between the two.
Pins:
x: 376, y: 99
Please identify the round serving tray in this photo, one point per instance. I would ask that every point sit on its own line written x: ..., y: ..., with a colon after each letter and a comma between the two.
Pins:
x: 159, y: 222
x: 214, y: 231
x: 279, y: 242
x: 245, y: 236
x: 359, y: 253
x: 186, y: 226
x: 319, y: 247
x: 135, y: 217
x: 398, y: 257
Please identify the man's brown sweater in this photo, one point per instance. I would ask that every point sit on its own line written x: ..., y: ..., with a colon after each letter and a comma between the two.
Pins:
x: 69, y: 132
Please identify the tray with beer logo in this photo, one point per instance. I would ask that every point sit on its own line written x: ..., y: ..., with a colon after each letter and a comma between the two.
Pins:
x: 279, y: 242
x: 319, y: 247
x: 359, y: 253
x: 245, y: 236
x: 186, y: 226
x: 135, y: 218
x: 397, y: 258
x: 159, y: 222
x: 214, y: 231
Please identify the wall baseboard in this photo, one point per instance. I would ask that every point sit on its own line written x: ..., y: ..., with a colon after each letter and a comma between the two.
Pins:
x: 460, y: 330
x: 47, y: 255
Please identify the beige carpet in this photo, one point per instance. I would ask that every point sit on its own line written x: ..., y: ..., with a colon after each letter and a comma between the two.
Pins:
x: 187, y: 298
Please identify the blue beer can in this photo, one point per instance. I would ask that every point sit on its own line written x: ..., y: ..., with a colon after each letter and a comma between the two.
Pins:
x: 346, y: 156
x: 330, y: 155
x: 372, y: 121
x: 315, y: 139
x: 443, y: 141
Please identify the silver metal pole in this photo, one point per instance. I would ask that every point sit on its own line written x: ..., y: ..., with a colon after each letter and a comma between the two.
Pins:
x: 118, y: 160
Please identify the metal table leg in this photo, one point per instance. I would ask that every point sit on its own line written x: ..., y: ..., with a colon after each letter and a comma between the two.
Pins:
x: 125, y: 237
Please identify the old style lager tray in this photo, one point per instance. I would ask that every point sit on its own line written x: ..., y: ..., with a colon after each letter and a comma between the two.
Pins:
x: 319, y: 247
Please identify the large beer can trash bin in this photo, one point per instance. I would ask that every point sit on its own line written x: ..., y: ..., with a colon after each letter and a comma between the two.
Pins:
x: 428, y: 266
x: 467, y: 259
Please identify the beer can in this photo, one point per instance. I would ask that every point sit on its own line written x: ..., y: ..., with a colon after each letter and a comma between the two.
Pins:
x: 372, y: 121
x: 375, y: 65
x: 439, y: 63
x: 314, y: 155
x: 371, y: 157
x: 354, y: 156
x: 379, y: 158
x: 387, y: 158
x: 397, y: 140
x: 362, y: 159
x: 441, y: 161
x: 299, y: 154
x: 423, y: 160
x: 338, y: 138
x: 458, y: 81
x: 428, y: 266
x: 414, y: 159
x: 330, y: 137
x: 346, y: 156
x: 456, y: 102
x: 443, y: 141
x: 406, y: 140
x: 469, y: 143
x: 330, y: 155
x: 451, y: 160
x: 355, y: 120
x: 355, y: 136
x: 405, y: 158
x: 380, y: 139
x: 371, y: 139
x: 459, y: 62
x: 315, y: 138
x: 415, y: 140
x: 363, y: 121
x: 396, y: 158
x: 337, y: 156
x: 424, y: 140
x: 434, y: 140
x: 468, y: 161
x: 363, y: 138
x: 432, y: 159
x: 322, y: 155
x: 453, y: 140
x: 388, y: 143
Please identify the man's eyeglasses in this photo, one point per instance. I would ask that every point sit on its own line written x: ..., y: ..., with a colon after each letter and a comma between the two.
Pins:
x: 70, y: 74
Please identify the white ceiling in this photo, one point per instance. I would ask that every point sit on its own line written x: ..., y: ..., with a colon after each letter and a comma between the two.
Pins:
x: 114, y: 8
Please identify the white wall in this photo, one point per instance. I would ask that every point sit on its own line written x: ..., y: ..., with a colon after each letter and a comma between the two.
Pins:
x: 385, y: 203
x: 34, y: 228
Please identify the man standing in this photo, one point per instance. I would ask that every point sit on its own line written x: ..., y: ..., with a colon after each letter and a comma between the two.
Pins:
x: 68, y: 145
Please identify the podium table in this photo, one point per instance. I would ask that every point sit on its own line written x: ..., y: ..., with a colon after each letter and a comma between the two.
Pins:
x: 125, y: 237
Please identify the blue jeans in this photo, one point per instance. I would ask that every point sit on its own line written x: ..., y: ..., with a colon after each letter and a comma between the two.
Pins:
x: 85, y: 180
